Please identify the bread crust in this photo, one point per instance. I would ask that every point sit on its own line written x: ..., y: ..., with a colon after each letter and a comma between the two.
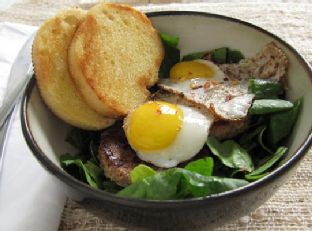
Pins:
x: 49, y: 54
x: 114, y: 57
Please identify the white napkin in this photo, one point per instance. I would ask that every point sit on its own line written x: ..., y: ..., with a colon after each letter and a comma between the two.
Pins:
x: 30, y: 198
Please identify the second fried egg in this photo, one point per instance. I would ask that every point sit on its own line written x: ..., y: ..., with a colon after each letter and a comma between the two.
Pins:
x: 204, y: 83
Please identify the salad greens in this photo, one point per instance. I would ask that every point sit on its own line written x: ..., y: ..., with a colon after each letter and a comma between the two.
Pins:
x: 170, y: 40
x: 193, y: 56
x: 231, y: 154
x: 263, y: 169
x: 282, y: 123
x: 202, y: 166
x: 140, y: 172
x: 178, y: 183
x: 172, y: 54
x: 84, y: 165
x: 266, y: 106
x: 225, y: 165
x: 265, y: 89
x: 220, y: 56
x: 87, y: 171
x: 261, y: 141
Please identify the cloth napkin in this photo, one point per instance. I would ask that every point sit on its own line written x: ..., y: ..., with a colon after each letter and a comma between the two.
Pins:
x: 30, y: 198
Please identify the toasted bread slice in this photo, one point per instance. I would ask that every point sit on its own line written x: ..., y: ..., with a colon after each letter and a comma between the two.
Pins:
x: 53, y: 78
x: 114, y: 57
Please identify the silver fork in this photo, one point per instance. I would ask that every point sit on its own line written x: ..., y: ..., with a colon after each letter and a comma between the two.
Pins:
x: 21, y: 72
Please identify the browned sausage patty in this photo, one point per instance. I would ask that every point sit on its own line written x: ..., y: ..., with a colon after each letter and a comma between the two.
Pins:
x: 228, y: 129
x: 116, y: 157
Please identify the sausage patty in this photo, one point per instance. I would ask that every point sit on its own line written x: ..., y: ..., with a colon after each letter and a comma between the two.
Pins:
x: 116, y: 156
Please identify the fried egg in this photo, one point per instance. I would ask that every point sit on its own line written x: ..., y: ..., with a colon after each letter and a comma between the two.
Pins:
x: 199, y: 68
x: 202, y: 82
x: 166, y: 134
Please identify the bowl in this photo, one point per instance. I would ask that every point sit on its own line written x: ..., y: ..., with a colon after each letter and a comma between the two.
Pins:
x: 45, y: 134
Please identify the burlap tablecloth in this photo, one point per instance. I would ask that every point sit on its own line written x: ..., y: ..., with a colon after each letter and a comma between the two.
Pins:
x: 291, y: 207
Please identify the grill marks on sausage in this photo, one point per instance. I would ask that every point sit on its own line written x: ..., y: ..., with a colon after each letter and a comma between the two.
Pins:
x: 116, y: 156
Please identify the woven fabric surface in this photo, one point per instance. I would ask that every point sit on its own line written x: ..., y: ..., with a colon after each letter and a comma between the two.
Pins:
x: 291, y: 207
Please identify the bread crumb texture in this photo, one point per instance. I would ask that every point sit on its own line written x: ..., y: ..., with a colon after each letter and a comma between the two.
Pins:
x: 114, y: 57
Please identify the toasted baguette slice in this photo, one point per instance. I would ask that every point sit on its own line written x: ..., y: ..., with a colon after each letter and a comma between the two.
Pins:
x: 56, y: 87
x: 114, y: 57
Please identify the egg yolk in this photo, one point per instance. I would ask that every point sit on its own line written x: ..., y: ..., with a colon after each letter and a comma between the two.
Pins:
x: 153, y: 125
x: 189, y: 70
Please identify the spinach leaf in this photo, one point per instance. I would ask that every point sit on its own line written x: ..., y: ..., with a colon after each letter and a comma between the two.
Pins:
x: 249, y: 136
x: 261, y: 142
x: 193, y: 56
x: 93, y: 149
x: 88, y: 172
x: 231, y: 154
x: 81, y: 139
x: 265, y: 106
x: 220, y: 55
x: 202, y: 166
x: 200, y: 186
x: 95, y: 172
x: 140, y: 172
x: 226, y: 55
x: 234, y: 56
x: 172, y: 55
x: 178, y: 183
x: 255, y: 177
x: 161, y: 186
x: 170, y: 40
x: 282, y: 123
x: 265, y: 89
x: 260, y: 171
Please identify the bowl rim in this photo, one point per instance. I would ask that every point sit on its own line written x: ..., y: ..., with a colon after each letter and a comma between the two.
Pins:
x: 191, y: 202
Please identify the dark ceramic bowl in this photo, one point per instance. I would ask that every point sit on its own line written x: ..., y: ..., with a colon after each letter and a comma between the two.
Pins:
x: 197, y: 31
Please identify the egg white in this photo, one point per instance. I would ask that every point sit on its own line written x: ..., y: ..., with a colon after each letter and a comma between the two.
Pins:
x: 189, y: 141
x: 218, y: 74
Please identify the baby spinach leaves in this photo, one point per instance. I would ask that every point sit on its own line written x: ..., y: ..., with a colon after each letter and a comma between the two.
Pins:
x: 220, y: 56
x: 200, y: 186
x: 178, y: 183
x: 282, y: 123
x: 161, y: 186
x: 265, y: 89
x: 231, y: 154
x: 260, y: 140
x: 85, y: 165
x: 250, y: 135
x: 202, y: 166
x: 87, y: 172
x: 172, y: 54
x: 170, y: 40
x: 226, y: 55
x: 264, y: 168
x: 234, y: 56
x: 140, y: 172
x: 193, y: 56
x: 266, y: 106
